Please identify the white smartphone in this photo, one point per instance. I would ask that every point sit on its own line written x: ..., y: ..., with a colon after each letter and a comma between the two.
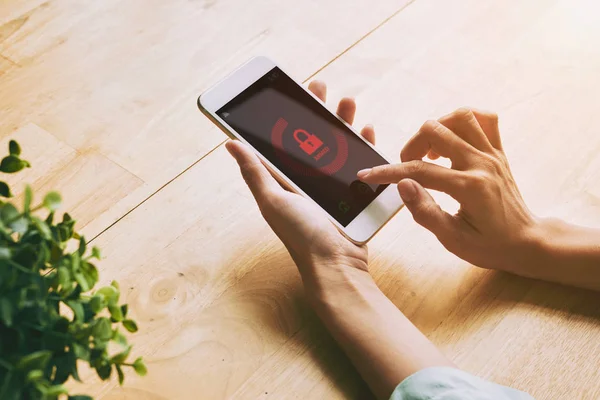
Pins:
x: 309, y: 149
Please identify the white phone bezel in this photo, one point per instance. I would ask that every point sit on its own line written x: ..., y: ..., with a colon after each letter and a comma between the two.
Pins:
x: 366, y: 224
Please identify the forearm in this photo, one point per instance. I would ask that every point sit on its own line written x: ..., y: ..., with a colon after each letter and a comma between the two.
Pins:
x: 566, y: 254
x: 384, y: 346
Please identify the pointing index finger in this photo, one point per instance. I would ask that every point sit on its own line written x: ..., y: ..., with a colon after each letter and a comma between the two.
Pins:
x: 430, y: 176
x: 435, y: 136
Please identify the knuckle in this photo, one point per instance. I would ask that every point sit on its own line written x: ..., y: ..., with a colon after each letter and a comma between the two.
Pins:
x: 407, y: 149
x: 387, y: 169
x: 477, y: 180
x: 492, y: 163
x: 414, y: 167
x: 463, y: 113
x: 429, y: 126
x: 463, y: 182
x: 382, y: 170
x: 423, y: 212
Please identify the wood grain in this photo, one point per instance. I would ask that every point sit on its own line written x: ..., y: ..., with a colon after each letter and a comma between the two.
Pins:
x: 119, y: 79
x: 218, y: 300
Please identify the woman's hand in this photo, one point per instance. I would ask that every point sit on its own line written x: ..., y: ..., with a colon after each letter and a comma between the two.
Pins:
x: 322, y: 254
x: 493, y: 228
x: 381, y: 343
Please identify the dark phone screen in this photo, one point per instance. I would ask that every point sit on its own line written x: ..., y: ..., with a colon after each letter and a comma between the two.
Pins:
x: 306, y: 142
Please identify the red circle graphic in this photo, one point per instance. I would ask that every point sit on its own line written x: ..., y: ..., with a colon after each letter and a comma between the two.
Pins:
x: 301, y: 168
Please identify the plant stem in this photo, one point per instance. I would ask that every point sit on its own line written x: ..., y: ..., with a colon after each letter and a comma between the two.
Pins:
x: 51, y: 333
x: 34, y: 209
x: 24, y: 214
x: 5, y: 384
x: 6, y: 364
x: 20, y: 267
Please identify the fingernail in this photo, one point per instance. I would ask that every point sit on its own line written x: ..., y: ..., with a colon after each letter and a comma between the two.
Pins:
x: 408, y: 190
x: 363, y: 173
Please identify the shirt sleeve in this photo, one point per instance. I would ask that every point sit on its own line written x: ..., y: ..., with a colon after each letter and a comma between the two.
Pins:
x: 444, y: 383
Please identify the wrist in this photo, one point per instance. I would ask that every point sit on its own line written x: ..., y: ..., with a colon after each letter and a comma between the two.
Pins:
x: 536, y: 249
x: 564, y: 253
x: 328, y: 282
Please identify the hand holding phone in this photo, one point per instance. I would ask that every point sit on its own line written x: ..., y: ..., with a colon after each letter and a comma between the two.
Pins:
x: 308, y: 149
x: 309, y: 236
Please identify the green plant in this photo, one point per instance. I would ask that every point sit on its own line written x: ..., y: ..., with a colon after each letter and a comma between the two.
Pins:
x: 49, y: 316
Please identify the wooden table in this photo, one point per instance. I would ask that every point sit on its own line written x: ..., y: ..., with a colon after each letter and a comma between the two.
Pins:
x: 101, y: 96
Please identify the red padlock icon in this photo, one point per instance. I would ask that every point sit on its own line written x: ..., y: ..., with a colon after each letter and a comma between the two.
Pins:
x: 309, y: 144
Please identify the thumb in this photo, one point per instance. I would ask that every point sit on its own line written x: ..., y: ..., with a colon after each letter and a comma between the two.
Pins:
x: 425, y: 211
x: 262, y: 185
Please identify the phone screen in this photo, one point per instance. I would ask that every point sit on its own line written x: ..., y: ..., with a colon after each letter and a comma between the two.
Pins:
x: 307, y: 143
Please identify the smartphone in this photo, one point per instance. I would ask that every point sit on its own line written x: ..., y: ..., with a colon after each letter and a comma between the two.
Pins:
x: 309, y: 149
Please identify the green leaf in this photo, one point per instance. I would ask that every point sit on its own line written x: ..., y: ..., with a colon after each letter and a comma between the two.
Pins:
x: 56, y: 252
x: 122, y: 356
x: 13, y: 148
x: 110, y: 294
x: 100, y: 344
x: 12, y: 218
x: 82, y: 281
x: 115, y: 284
x: 56, y: 390
x: 82, y: 246
x: 50, y: 218
x: 5, y: 190
x: 81, y: 352
x: 103, y: 371
x: 6, y: 311
x: 80, y: 397
x: 77, y: 310
x: 120, y: 373
x: 119, y: 338
x: 5, y: 253
x: 64, y: 276
x: 140, y: 367
x: 102, y: 329
x: 10, y: 387
x: 36, y: 360
x: 12, y: 164
x: 43, y: 256
x: 35, y: 375
x: 42, y: 227
x: 62, y: 363
x: 96, y: 253
x: 73, y: 371
x: 91, y: 272
x: 52, y: 201
x: 124, y: 309
x: 75, y: 262
x: 28, y: 199
x: 115, y: 312
x: 63, y: 233
x: 97, y: 303
x: 130, y: 325
x: 8, y: 213
x: 19, y: 225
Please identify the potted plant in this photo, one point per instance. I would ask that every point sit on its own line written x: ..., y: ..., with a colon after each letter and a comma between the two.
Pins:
x: 51, y: 316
